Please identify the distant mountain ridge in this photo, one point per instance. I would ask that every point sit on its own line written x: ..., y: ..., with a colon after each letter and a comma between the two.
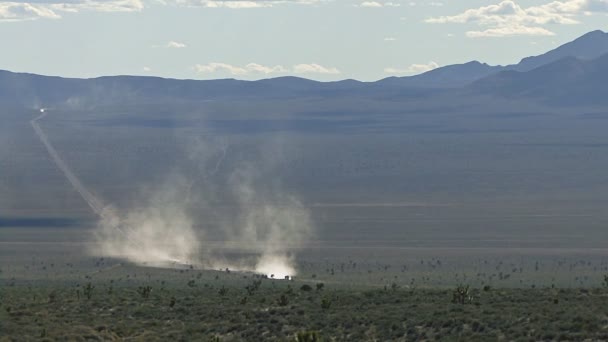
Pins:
x: 455, y: 75
x: 579, y: 67
x: 567, y: 81
x: 589, y: 46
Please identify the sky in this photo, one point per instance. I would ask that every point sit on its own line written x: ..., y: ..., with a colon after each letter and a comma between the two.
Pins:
x: 317, y: 39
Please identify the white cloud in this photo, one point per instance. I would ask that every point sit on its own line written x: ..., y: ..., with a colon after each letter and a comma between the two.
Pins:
x: 376, y: 4
x: 238, y: 4
x: 231, y: 4
x: 513, y: 30
x: 172, y: 44
x: 423, y: 67
x: 506, y: 12
x: 370, y: 4
x: 17, y: 10
x: 314, y: 69
x: 215, y: 67
x: 175, y: 45
x: 262, y: 69
x: 412, y: 69
x: 259, y: 69
x: 100, y: 5
x: 508, y: 18
x: 146, y: 69
x: 14, y: 11
x: 251, y: 68
x: 393, y: 70
x: 49, y: 9
x: 390, y: 39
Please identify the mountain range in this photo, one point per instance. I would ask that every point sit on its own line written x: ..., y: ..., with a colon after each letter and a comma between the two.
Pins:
x: 589, y: 46
x: 572, y: 74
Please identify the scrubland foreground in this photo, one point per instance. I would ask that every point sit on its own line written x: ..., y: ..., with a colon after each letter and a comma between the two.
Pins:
x: 214, y: 307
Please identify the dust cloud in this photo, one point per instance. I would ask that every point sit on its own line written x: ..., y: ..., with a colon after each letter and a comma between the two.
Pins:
x: 264, y: 224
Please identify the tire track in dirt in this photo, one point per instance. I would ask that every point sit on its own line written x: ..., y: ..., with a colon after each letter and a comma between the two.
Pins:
x: 94, y: 203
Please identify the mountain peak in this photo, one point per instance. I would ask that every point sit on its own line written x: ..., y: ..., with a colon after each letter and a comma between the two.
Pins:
x: 588, y: 46
x: 592, y: 37
x: 596, y: 33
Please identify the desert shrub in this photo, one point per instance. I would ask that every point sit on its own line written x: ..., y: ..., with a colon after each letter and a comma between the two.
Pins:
x: 283, y: 300
x: 476, y: 326
x: 320, y: 286
x: 308, y: 336
x: 222, y: 291
x: 253, y: 287
x: 144, y: 291
x: 289, y: 290
x: 306, y: 288
x: 88, y: 290
x: 325, y: 303
x: 52, y: 297
x: 368, y: 294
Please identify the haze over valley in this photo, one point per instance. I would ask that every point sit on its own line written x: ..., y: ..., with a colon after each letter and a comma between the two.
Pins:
x: 427, y: 157
x: 467, y: 173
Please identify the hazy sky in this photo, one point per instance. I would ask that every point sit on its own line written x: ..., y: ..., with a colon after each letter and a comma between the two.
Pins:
x: 318, y: 39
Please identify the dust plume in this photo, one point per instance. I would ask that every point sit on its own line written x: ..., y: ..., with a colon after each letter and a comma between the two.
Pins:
x: 160, y: 230
x: 273, y: 222
x: 157, y: 233
x: 263, y: 224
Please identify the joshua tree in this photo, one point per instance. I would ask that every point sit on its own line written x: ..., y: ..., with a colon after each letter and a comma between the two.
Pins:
x: 88, y: 290
x: 461, y: 295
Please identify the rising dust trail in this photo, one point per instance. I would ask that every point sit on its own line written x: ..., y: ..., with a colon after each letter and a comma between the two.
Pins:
x: 135, y: 244
x: 94, y: 203
x: 164, y: 235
